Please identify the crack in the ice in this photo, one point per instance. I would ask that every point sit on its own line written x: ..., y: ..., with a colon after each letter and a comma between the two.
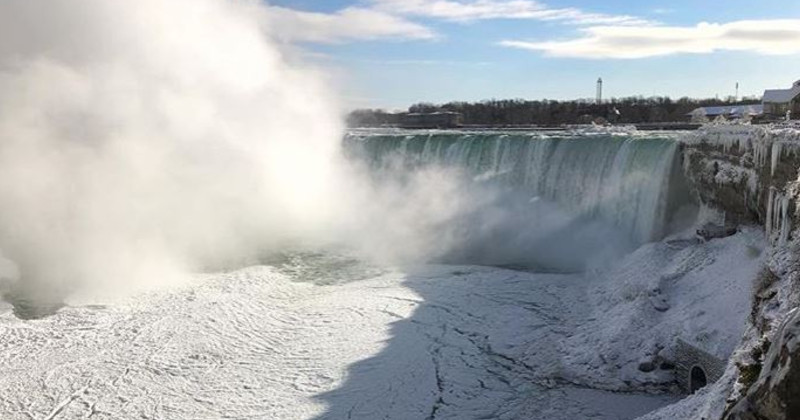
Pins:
x: 390, y: 313
x: 64, y: 403
x: 439, y: 385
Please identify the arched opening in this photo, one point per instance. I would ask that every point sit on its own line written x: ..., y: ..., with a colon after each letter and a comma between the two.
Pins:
x: 697, y: 379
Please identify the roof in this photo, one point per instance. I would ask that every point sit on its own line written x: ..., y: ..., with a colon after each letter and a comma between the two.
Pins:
x: 735, y: 110
x: 782, y: 96
x: 432, y: 113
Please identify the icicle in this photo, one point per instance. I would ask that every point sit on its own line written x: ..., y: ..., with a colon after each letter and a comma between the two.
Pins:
x: 778, y: 218
x: 777, y: 148
x: 786, y: 222
x: 768, y: 222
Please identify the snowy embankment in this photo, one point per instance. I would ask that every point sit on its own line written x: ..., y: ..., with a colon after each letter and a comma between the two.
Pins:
x: 430, y: 342
x: 749, y: 175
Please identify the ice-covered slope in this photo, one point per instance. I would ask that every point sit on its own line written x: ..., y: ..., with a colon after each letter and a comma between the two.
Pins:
x: 697, y: 291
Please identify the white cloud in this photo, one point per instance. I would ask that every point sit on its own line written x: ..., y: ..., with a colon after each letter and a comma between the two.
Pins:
x: 428, y: 63
x: 350, y: 24
x: 470, y: 10
x: 769, y: 37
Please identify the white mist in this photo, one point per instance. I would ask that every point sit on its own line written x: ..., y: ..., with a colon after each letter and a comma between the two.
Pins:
x: 142, y: 140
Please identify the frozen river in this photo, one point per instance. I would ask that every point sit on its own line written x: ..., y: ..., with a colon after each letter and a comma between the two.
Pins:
x: 431, y: 342
x: 319, y: 336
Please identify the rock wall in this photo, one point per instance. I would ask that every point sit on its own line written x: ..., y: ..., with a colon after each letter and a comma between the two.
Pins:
x: 776, y: 394
x: 747, y: 173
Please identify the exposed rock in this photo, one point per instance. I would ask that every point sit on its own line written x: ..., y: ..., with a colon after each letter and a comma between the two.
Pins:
x: 660, y: 303
x: 710, y: 231
x: 667, y: 365
x: 647, y: 367
x: 731, y: 169
x: 776, y: 394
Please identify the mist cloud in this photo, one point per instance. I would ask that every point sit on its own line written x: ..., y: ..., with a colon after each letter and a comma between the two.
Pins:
x: 143, y: 142
x: 140, y: 140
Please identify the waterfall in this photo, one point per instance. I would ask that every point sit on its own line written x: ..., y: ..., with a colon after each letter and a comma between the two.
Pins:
x: 623, y: 180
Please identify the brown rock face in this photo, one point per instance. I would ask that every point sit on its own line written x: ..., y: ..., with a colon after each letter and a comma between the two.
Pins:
x: 776, y: 395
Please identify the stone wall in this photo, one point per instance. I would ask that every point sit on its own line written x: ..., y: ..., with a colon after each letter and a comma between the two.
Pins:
x: 687, y: 357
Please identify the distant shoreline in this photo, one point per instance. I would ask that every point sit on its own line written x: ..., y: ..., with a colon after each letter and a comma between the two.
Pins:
x: 671, y: 126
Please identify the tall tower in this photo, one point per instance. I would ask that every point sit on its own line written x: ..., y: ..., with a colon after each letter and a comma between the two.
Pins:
x: 599, y: 90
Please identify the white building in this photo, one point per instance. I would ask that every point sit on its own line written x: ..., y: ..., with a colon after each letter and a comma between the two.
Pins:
x: 733, y: 112
x: 778, y: 102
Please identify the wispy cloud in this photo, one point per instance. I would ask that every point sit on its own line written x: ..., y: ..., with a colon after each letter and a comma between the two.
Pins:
x: 471, y: 10
x: 769, y: 37
x: 416, y: 63
x: 350, y: 24
x: 392, y: 19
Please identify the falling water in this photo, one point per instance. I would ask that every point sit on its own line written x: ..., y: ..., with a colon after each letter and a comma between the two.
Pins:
x: 628, y: 181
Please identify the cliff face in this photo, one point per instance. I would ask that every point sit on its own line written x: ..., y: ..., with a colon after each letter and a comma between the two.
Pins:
x: 775, y: 395
x: 749, y: 175
x: 742, y: 171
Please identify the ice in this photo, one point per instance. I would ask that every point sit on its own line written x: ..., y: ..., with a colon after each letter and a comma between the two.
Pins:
x: 432, y: 341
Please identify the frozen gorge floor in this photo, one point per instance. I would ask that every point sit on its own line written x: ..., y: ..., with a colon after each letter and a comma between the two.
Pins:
x: 435, y: 342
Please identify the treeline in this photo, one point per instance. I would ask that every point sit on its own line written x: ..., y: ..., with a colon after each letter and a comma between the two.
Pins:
x: 552, y: 113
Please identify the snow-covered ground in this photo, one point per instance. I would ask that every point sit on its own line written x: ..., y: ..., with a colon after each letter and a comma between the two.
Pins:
x: 427, y: 342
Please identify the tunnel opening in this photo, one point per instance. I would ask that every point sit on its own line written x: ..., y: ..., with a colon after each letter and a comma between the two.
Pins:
x: 697, y: 379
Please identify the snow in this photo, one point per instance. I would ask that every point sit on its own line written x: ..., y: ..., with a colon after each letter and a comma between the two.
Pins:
x: 728, y: 173
x: 433, y: 341
x: 707, y: 403
x: 254, y: 344
x: 763, y: 144
x: 713, y: 297
x: 705, y: 288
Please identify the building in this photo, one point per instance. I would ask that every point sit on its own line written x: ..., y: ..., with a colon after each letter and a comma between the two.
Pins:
x: 733, y: 112
x: 777, y: 102
x: 431, y: 120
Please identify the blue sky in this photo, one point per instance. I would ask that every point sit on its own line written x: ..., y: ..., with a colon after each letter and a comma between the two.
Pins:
x: 392, y: 53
